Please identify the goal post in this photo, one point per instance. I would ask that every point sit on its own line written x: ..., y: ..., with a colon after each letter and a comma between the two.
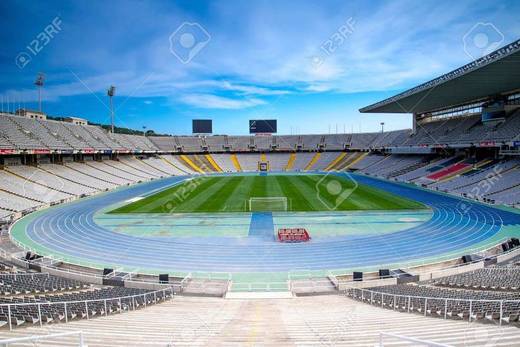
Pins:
x: 264, y: 204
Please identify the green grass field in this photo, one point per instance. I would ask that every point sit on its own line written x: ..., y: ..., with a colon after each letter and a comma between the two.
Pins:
x: 302, y: 193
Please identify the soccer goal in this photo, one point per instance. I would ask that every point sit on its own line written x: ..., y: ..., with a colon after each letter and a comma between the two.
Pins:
x: 276, y: 203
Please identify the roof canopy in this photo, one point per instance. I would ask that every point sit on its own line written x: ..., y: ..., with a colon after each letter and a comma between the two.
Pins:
x: 493, y: 74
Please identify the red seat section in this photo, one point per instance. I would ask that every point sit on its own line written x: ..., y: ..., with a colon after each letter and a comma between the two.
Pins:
x: 449, y: 171
x: 293, y: 235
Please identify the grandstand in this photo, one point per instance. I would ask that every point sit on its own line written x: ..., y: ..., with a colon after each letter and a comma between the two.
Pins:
x: 488, y: 294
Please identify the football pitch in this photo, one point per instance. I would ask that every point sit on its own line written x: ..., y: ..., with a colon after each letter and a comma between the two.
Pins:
x: 270, y: 193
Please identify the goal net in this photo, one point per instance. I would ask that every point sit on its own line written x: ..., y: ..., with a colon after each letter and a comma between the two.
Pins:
x: 269, y: 204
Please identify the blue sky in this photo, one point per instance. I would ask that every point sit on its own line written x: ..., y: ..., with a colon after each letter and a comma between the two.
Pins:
x: 240, y: 60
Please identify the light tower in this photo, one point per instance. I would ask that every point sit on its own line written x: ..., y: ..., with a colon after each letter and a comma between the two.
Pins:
x: 382, y: 127
x: 39, y: 84
x: 111, y: 92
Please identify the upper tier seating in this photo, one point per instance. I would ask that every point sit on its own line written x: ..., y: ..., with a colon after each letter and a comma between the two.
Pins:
x: 16, y: 136
x: 287, y: 142
x: 311, y: 142
x: 337, y: 141
x: 263, y: 142
x: 164, y: 143
x: 59, y: 130
x: 216, y: 143
x: 37, y: 130
x: 190, y: 143
x: 239, y: 143
x: 22, y: 133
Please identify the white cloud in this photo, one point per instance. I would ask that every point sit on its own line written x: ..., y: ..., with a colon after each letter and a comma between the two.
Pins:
x: 219, y: 102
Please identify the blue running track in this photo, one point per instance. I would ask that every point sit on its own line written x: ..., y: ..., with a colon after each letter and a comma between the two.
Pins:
x: 70, y: 232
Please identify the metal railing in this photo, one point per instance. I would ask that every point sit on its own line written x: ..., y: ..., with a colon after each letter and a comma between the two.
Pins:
x: 421, y: 342
x: 260, y: 286
x: 35, y: 339
x: 130, y: 303
x: 407, y: 303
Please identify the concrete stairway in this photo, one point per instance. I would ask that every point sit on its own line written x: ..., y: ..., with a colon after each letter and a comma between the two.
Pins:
x: 329, y: 320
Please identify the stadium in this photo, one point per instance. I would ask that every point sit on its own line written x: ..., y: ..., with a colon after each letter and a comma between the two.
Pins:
x: 408, y: 237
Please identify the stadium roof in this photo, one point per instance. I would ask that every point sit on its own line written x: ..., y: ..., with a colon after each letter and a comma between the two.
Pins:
x: 493, y: 74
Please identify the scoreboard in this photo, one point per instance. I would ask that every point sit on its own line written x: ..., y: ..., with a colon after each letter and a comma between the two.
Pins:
x: 202, y: 126
x: 257, y: 126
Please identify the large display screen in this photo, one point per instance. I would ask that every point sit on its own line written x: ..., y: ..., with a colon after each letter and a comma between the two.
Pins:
x: 493, y: 111
x: 262, y: 126
x: 202, y: 126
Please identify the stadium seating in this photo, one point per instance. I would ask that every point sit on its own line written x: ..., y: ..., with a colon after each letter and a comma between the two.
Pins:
x: 325, y: 159
x: 224, y: 161
x: 492, y: 278
x: 50, y: 180
x: 16, y: 203
x: 99, y: 171
x: 162, y: 166
x: 248, y: 162
x: 29, y: 299
x: 16, y: 137
x: 29, y: 189
x: 394, y: 165
x: 422, y: 171
x: 277, y: 161
x: 178, y: 163
x: 287, y: 142
x: 78, y: 173
x: 189, y: 143
x: 27, y: 283
x: 239, y: 143
x: 23, y: 133
x: 301, y: 161
x: 485, y: 294
x: 367, y: 162
x: 449, y: 171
